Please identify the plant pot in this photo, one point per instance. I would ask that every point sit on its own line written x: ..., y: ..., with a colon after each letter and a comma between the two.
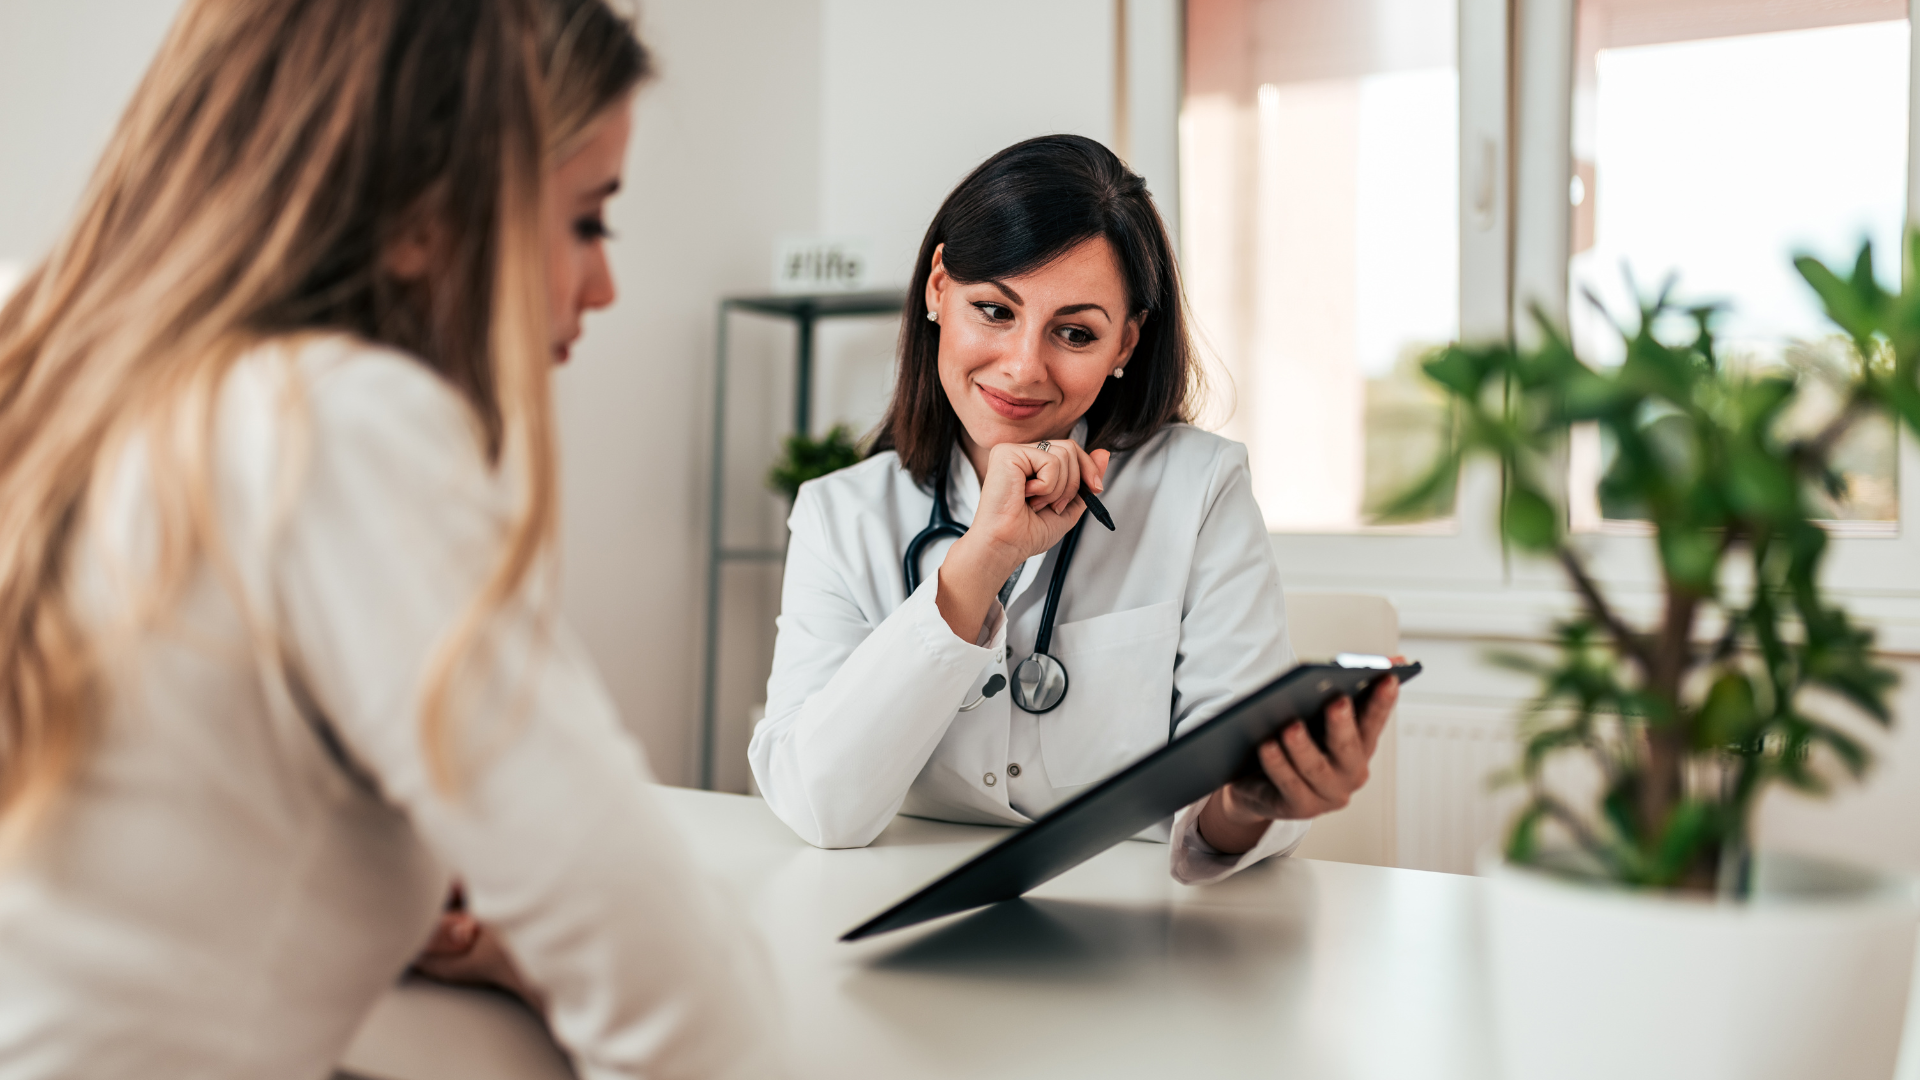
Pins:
x: 1808, y: 978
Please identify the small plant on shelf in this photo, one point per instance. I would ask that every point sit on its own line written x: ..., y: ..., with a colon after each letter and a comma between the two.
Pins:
x: 804, y: 459
x: 1683, y: 721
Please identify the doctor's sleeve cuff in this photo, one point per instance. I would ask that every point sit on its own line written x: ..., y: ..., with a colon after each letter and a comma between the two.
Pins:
x: 1196, y: 862
x: 922, y: 611
x: 994, y: 628
x: 838, y: 768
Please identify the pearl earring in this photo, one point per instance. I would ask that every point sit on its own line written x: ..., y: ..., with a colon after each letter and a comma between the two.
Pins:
x: 933, y: 316
x: 1118, y: 372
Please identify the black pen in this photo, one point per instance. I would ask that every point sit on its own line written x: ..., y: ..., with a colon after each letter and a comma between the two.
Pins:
x: 1093, y: 507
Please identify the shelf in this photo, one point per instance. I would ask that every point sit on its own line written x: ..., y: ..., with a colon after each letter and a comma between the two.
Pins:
x: 751, y: 554
x: 821, y: 305
x: 804, y: 311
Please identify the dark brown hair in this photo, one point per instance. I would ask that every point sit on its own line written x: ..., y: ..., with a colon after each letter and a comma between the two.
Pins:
x: 1021, y: 209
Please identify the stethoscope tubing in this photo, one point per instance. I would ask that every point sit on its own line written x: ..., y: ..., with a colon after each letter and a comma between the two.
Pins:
x: 941, y: 524
x: 1068, y: 544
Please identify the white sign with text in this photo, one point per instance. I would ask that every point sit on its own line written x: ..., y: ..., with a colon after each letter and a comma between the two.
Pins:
x: 812, y: 264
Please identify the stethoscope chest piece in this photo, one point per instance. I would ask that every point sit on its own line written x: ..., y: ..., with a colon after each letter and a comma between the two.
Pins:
x: 1039, y: 683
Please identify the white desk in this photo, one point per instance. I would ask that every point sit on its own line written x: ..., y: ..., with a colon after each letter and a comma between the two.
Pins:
x: 1296, y: 968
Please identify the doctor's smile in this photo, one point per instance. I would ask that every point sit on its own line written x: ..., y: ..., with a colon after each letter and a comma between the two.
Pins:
x: 1011, y: 407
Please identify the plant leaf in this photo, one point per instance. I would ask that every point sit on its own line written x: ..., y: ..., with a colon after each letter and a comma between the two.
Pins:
x: 1523, y: 841
x: 1688, y: 830
x: 1529, y: 520
x: 1729, y: 714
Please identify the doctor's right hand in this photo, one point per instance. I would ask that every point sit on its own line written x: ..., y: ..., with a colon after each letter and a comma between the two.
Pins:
x: 1029, y: 499
x: 1299, y: 780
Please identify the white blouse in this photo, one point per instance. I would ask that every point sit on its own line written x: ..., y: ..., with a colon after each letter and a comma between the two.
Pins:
x: 1161, y: 625
x: 246, y: 860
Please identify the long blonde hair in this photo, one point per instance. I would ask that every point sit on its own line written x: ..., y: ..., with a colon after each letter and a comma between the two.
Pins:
x: 271, y: 154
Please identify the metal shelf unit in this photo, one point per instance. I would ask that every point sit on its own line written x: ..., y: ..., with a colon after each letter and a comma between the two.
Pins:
x: 804, y: 311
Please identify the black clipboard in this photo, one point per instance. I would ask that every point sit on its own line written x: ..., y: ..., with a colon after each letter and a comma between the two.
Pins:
x: 1139, y: 795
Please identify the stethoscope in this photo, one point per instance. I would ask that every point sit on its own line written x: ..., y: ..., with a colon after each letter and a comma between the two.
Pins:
x: 1040, y: 682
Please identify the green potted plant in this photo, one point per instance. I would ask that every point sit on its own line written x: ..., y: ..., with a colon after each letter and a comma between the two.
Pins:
x: 803, y: 459
x: 1633, y: 930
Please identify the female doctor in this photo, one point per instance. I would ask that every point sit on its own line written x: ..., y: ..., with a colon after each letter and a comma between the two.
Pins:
x: 988, y: 672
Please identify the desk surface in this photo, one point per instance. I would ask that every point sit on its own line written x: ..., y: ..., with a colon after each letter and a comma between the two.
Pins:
x: 1295, y: 968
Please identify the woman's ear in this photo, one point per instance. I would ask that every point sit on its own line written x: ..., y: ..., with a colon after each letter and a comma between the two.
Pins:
x: 937, y: 279
x: 410, y: 256
x: 1130, y: 338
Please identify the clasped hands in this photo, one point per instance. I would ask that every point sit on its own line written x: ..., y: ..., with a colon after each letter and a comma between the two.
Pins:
x: 464, y: 951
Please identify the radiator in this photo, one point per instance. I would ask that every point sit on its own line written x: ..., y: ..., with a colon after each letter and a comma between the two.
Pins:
x: 1447, y: 810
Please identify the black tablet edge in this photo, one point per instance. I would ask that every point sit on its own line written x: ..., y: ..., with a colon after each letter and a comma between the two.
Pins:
x: 871, y: 927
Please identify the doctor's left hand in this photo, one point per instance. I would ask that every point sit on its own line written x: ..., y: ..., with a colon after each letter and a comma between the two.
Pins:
x: 1300, y: 781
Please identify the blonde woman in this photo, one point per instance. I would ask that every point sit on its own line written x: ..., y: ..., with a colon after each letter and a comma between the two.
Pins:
x: 277, y: 660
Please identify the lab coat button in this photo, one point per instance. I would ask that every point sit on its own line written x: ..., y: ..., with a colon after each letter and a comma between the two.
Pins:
x: 1013, y: 769
x: 989, y: 780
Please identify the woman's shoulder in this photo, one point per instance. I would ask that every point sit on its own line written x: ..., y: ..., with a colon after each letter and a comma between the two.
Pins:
x: 344, y: 372
x: 836, y: 509
x: 322, y: 405
x: 347, y: 387
x: 873, y: 481
x: 1184, y: 446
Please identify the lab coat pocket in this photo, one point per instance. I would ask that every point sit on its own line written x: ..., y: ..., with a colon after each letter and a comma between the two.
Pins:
x: 1119, y: 693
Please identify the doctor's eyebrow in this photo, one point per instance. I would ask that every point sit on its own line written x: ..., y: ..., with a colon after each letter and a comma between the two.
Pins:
x: 1070, y: 309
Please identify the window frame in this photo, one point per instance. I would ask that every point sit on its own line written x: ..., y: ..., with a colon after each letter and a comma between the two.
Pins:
x: 1469, y: 554
x: 1516, y: 73
x: 1885, y: 566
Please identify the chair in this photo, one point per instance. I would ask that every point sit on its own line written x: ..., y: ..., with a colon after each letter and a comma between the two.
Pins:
x: 1321, y: 626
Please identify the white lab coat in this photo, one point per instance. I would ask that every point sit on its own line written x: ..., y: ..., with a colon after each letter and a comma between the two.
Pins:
x: 252, y: 849
x: 1161, y: 625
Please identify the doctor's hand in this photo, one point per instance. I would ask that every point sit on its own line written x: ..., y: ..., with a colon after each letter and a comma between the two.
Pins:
x: 1299, y: 780
x: 465, y: 952
x: 1029, y: 499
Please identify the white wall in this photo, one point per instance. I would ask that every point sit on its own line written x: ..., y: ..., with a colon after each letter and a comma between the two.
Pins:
x: 66, y: 71
x: 1456, y: 730
x: 915, y: 94
x: 725, y: 156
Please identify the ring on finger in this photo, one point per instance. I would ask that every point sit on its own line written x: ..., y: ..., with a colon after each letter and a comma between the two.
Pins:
x: 1042, y: 445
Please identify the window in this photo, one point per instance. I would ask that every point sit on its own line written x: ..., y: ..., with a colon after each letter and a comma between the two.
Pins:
x: 1715, y: 141
x: 1717, y: 137
x: 1320, y: 225
x: 1574, y: 120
